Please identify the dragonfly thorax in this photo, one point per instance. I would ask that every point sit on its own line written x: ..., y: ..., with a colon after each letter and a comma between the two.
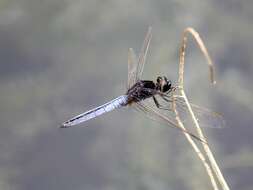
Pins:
x: 144, y: 89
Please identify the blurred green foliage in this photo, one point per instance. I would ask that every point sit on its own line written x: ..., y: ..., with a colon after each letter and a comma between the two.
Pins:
x: 60, y: 58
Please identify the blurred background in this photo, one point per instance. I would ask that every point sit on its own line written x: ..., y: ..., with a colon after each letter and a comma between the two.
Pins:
x: 62, y: 57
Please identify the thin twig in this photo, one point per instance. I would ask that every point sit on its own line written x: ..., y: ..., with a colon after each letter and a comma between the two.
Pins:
x: 182, y: 56
x: 207, y: 150
x: 194, y: 146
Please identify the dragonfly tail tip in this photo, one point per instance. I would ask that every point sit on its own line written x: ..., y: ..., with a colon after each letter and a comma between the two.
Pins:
x: 64, y: 125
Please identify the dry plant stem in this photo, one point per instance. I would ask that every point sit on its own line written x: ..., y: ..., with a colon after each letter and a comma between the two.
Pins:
x: 195, y: 147
x: 207, y: 150
x: 182, y: 56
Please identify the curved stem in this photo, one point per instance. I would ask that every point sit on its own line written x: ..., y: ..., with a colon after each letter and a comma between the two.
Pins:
x: 195, y: 147
x: 207, y: 150
x: 182, y: 55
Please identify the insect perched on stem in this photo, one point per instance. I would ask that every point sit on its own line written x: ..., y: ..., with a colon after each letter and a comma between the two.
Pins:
x: 139, y: 91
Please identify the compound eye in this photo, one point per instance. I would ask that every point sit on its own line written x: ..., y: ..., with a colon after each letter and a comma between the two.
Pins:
x: 167, y: 87
x: 158, y: 80
x: 169, y: 82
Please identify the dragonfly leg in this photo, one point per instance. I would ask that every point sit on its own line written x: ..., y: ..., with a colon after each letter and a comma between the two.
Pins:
x: 168, y: 93
x: 162, y: 94
x: 165, y: 99
x: 168, y: 99
x: 159, y: 105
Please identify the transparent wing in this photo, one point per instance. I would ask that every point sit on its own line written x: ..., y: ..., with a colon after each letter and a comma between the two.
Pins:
x: 206, y: 118
x: 135, y: 68
x: 143, y: 53
x: 160, y: 117
x: 132, y: 68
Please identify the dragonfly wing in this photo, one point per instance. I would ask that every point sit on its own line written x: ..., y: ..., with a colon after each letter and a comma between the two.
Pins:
x: 156, y: 115
x: 206, y: 118
x: 135, y: 67
x: 109, y: 106
x: 143, y: 54
x: 132, y: 68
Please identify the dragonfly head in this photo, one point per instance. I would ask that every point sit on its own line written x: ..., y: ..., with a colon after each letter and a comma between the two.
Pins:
x: 163, y: 84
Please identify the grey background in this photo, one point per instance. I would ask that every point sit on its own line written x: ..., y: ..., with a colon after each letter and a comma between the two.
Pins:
x: 62, y: 57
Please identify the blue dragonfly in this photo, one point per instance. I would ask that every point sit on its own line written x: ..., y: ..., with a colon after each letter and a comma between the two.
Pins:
x: 138, y: 91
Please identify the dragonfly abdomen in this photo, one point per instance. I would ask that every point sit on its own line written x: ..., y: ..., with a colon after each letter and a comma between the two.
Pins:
x: 107, y: 107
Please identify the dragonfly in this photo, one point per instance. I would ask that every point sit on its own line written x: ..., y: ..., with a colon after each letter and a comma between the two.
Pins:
x: 138, y: 91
